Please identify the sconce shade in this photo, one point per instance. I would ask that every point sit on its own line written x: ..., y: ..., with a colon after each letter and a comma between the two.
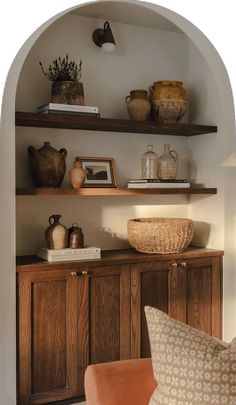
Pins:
x: 103, y: 38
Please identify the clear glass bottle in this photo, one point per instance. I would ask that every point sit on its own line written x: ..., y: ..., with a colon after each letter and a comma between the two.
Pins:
x: 149, y: 163
x: 168, y: 164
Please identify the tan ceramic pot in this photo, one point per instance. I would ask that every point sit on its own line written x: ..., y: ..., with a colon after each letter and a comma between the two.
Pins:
x: 56, y: 234
x: 169, y: 101
x: 138, y: 105
x: 77, y: 174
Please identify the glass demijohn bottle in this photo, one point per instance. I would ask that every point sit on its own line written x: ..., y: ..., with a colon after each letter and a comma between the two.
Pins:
x: 149, y: 163
x: 168, y: 164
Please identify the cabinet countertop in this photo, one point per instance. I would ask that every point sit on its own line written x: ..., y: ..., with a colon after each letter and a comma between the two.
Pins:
x: 111, y: 257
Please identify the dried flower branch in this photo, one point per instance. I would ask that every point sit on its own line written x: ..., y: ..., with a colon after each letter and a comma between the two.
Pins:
x: 62, y: 70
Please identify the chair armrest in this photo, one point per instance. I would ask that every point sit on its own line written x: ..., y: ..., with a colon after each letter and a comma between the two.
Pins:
x: 124, y: 382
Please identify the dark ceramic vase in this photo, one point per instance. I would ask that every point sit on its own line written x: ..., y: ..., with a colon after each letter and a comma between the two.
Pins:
x: 47, y: 165
x: 67, y: 92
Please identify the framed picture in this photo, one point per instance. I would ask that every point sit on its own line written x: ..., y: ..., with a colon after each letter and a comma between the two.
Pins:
x: 100, y: 172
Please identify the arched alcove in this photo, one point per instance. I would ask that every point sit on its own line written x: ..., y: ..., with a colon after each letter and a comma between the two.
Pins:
x: 221, y: 217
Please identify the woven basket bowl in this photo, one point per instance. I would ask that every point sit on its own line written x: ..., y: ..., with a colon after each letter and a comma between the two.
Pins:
x: 160, y: 235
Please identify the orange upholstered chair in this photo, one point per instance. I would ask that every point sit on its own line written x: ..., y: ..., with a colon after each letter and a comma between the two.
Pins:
x: 125, y: 382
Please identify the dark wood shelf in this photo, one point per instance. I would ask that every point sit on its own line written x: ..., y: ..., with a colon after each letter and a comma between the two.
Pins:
x: 68, y: 121
x: 113, y: 191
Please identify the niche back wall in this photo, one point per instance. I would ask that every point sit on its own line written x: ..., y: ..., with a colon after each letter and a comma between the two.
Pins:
x: 143, y: 55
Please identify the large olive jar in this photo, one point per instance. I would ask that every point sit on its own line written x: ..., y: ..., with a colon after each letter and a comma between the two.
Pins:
x: 47, y: 165
x: 169, y: 101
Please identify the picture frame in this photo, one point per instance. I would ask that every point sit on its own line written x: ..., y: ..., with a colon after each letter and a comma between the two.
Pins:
x: 100, y: 171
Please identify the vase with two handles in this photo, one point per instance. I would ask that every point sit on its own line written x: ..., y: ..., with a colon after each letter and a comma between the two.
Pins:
x: 138, y: 105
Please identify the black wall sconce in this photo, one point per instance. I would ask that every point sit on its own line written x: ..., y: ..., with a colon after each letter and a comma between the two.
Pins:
x: 103, y: 38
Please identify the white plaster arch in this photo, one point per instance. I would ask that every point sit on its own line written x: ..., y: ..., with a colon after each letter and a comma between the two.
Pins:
x: 7, y: 172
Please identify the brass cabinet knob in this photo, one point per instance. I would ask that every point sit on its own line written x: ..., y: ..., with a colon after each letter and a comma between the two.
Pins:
x: 79, y: 273
x: 183, y: 264
x: 174, y: 265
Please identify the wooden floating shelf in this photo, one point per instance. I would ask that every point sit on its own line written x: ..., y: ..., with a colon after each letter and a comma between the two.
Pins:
x: 68, y: 121
x: 112, y: 191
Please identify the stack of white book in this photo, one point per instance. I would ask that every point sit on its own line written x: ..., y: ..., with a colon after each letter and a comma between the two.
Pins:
x: 61, y: 255
x: 156, y: 183
x: 56, y: 108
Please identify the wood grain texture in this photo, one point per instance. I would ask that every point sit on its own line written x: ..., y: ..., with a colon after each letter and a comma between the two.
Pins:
x: 125, y: 314
x: 154, y: 292
x: 45, y: 354
x: 111, y: 191
x: 199, y: 298
x: 48, y: 301
x: 104, y: 318
x: 82, y: 328
x: 107, y: 313
x: 217, y: 297
x: 73, y: 313
x: 177, y: 291
x: 149, y: 286
x: 109, y: 124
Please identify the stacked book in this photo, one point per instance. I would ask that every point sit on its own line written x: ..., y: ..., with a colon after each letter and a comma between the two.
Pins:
x: 156, y: 183
x: 61, y: 255
x: 82, y: 110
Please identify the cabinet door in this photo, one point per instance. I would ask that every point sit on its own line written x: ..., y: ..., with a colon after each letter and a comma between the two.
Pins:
x: 149, y: 286
x: 104, y: 315
x: 188, y: 290
x: 47, y: 337
x: 204, y: 294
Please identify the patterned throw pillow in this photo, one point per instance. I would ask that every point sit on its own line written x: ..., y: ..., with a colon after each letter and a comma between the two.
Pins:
x: 190, y: 366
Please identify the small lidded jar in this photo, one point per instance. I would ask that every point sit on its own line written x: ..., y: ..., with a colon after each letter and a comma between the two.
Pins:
x: 76, y: 237
x: 149, y: 163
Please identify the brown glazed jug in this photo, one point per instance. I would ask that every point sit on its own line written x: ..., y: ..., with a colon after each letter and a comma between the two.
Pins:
x: 75, y: 237
x: 138, y: 105
x: 47, y: 165
x: 56, y: 234
x: 169, y: 101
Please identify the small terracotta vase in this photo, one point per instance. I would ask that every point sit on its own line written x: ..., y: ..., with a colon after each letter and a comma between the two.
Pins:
x: 169, y: 101
x: 77, y: 174
x: 47, y: 165
x: 56, y: 234
x: 138, y: 105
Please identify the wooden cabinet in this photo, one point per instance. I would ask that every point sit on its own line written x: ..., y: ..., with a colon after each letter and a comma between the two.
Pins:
x: 47, y: 318
x: 72, y: 314
x: 187, y: 289
x: 59, y: 311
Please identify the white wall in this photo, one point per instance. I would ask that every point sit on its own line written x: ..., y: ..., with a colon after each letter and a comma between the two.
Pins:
x: 107, y: 79
x: 206, y: 151
x: 26, y: 16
